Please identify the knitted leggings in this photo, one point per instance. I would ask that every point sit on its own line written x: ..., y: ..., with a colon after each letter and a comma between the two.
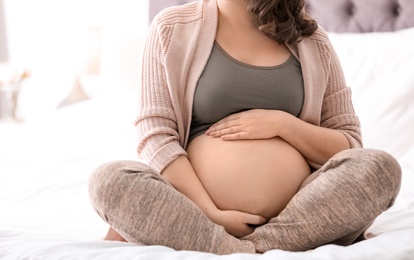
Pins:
x: 335, y: 204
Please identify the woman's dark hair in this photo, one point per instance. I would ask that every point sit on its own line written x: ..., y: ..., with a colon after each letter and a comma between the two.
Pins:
x: 283, y: 20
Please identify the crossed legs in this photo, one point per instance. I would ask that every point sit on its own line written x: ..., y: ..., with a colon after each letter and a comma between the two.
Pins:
x: 334, y: 205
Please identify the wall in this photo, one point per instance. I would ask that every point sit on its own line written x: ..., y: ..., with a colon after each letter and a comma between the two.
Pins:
x: 48, y: 37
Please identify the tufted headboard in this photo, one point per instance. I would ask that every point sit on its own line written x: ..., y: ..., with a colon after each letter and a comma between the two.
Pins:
x: 362, y: 15
x: 344, y: 15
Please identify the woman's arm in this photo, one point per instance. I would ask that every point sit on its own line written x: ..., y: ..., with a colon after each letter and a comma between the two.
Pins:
x: 316, y: 143
x: 161, y: 143
x: 181, y: 175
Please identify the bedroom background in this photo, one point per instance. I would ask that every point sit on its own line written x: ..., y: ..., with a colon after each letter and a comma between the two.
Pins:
x: 64, y: 44
x: 47, y: 156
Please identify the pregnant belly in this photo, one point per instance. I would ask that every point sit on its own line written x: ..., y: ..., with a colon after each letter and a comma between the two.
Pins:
x: 253, y: 176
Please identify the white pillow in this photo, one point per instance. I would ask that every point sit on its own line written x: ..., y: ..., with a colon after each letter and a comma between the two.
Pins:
x: 379, y: 68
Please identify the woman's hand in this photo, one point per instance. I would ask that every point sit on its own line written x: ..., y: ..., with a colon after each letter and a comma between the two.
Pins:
x: 251, y: 124
x: 238, y: 223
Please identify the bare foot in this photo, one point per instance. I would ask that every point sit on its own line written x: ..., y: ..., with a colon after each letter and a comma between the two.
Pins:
x: 369, y: 235
x: 112, y: 235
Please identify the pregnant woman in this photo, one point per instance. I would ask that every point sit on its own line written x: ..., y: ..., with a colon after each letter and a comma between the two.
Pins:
x: 249, y: 138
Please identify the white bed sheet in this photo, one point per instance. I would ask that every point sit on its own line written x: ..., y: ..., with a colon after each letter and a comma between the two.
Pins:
x: 44, y: 167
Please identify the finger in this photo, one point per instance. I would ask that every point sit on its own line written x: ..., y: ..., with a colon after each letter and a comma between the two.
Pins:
x: 225, y: 122
x: 244, y: 230
x: 248, y: 230
x: 226, y: 131
x: 214, y: 128
x: 255, y: 219
x: 221, y: 126
x: 234, y: 136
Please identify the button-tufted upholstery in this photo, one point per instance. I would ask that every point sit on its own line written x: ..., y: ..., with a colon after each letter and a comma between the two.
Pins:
x: 362, y: 15
x: 344, y: 15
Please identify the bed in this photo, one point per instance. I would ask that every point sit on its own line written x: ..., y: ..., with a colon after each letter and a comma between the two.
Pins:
x: 45, y: 163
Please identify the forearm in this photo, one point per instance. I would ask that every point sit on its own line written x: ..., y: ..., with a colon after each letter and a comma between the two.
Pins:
x: 182, y: 176
x: 316, y: 143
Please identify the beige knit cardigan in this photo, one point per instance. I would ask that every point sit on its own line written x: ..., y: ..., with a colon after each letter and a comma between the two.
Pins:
x: 177, y: 49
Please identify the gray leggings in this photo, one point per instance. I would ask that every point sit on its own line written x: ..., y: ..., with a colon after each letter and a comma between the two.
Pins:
x: 335, y: 204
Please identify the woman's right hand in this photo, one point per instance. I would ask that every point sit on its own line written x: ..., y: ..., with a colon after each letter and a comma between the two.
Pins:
x: 237, y: 223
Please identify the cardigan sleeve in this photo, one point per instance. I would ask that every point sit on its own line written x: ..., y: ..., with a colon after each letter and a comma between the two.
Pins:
x: 337, y: 108
x: 158, y: 138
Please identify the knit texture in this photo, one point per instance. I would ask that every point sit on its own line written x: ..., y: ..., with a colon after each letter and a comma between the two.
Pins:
x: 334, y: 205
x: 178, y: 46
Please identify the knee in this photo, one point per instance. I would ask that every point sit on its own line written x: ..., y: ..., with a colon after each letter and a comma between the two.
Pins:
x: 387, y: 167
x: 378, y: 168
x: 101, y: 184
x: 378, y: 162
x: 109, y: 174
x: 107, y: 183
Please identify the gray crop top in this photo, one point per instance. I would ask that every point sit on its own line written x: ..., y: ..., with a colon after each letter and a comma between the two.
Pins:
x: 227, y: 86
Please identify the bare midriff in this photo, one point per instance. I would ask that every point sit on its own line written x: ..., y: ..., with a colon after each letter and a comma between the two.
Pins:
x: 253, y: 176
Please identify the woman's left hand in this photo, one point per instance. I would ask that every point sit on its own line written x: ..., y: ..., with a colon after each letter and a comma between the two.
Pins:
x: 251, y: 124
